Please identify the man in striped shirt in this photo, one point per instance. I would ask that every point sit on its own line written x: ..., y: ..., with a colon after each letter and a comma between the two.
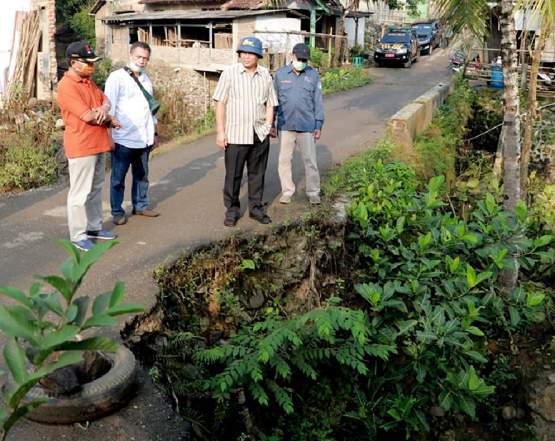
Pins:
x: 245, y: 100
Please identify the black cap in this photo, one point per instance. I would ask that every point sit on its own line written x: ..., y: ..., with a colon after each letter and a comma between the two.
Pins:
x: 81, y: 49
x: 301, y: 51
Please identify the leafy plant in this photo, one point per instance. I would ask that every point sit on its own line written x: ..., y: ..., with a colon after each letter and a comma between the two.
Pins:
x: 316, y: 57
x: 337, y: 79
x: 408, y: 330
x: 44, y: 327
x: 101, y: 72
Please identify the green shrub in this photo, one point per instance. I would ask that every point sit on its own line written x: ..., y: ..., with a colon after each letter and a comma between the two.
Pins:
x: 408, y: 332
x: 337, y: 79
x: 27, y: 157
x: 101, y: 72
x: 436, y: 148
x: 316, y: 57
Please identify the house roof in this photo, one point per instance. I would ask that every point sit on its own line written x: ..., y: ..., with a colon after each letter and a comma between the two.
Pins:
x: 97, y: 5
x: 195, y: 14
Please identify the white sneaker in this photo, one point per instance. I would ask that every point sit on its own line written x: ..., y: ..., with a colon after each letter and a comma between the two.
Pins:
x: 314, y: 200
x: 285, y: 199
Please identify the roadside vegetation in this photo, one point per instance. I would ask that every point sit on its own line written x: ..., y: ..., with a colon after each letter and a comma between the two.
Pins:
x: 28, y: 144
x: 342, y: 78
x: 403, y: 328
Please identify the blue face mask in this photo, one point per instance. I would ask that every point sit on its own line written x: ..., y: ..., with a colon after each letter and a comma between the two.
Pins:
x: 299, y: 66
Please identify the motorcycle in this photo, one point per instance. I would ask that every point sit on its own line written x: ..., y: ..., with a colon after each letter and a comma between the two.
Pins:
x: 457, y: 61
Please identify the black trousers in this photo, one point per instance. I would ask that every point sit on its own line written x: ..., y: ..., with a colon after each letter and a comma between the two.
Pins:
x: 256, y: 157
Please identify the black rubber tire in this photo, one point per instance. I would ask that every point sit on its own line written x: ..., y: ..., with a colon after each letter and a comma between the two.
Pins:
x: 96, y: 399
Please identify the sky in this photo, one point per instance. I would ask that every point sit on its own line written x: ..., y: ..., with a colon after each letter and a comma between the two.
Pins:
x: 9, y: 7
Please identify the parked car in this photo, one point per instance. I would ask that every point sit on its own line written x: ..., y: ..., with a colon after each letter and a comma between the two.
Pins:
x: 397, y: 45
x: 428, y: 35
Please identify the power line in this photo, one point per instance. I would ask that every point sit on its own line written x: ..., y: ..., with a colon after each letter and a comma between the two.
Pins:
x: 499, y: 125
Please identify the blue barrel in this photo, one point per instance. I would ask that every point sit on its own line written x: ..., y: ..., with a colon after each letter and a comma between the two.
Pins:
x: 497, y: 77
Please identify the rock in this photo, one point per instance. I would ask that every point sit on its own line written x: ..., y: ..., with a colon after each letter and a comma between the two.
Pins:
x: 437, y: 411
x: 450, y: 435
x: 60, y: 123
x: 551, y: 378
x: 257, y: 300
x: 508, y: 412
x: 542, y: 400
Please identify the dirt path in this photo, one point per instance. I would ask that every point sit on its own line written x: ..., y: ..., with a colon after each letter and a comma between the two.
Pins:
x: 186, y: 188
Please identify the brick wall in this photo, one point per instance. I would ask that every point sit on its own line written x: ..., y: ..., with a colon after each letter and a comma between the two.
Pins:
x: 47, y: 64
x: 182, y: 56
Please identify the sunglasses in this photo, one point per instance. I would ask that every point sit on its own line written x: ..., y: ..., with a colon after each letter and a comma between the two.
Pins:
x: 89, y: 63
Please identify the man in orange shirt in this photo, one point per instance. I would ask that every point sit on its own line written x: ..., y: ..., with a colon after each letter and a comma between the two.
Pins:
x: 86, y: 139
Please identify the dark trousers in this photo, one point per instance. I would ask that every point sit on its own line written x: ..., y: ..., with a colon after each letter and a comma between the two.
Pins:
x: 256, y: 157
x: 122, y: 158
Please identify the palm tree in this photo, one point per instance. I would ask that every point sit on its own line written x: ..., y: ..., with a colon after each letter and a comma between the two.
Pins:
x: 545, y: 11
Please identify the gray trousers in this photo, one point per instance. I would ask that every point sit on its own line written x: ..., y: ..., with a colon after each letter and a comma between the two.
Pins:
x: 84, y: 200
x: 307, y: 146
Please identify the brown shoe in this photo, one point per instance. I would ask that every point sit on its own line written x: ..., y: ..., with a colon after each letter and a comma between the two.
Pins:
x: 120, y: 219
x: 146, y: 212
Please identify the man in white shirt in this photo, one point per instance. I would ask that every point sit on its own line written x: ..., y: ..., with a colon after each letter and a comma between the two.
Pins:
x: 134, y: 142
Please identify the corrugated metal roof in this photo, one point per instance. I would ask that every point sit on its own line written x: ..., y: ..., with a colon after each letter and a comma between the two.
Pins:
x: 186, y: 15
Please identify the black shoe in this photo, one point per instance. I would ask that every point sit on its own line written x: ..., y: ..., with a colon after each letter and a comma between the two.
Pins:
x: 262, y: 218
x: 230, y: 220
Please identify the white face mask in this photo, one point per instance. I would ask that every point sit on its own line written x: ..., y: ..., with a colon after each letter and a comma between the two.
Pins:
x: 135, y: 68
x: 299, y: 66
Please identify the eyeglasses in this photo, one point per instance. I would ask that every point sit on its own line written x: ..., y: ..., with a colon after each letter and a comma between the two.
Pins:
x: 90, y: 63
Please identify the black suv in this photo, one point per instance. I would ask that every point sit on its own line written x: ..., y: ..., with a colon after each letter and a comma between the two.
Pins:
x: 428, y: 35
x: 397, y: 45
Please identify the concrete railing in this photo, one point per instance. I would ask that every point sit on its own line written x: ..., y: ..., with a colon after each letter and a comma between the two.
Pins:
x: 414, y: 118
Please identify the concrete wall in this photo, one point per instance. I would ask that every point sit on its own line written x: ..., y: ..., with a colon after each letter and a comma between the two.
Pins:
x: 414, y: 118
x: 355, y: 35
x: 243, y: 27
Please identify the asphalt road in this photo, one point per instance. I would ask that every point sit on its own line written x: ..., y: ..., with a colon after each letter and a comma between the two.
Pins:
x: 187, y: 189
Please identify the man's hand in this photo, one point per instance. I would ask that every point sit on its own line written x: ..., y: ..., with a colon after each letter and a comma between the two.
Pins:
x: 221, y: 140
x: 156, y: 142
x: 273, y: 132
x: 317, y: 134
x: 114, y: 122
x: 101, y: 115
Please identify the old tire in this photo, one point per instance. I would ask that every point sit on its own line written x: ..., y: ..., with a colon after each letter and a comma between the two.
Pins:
x: 96, y: 399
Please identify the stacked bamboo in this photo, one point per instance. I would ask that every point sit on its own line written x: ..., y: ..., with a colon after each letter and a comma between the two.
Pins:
x: 25, y: 73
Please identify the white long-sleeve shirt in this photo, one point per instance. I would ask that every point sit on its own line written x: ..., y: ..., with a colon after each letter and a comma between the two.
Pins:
x: 130, y: 108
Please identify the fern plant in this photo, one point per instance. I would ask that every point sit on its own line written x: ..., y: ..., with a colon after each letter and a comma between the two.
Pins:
x: 264, y: 358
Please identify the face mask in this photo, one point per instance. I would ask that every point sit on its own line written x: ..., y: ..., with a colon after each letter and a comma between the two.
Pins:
x: 136, y: 68
x: 299, y: 65
x: 84, y: 69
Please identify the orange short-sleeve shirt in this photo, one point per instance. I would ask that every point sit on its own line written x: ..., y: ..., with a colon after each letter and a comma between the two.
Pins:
x: 76, y: 96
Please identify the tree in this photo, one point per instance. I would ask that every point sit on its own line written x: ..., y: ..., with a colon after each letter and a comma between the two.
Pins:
x: 545, y: 10
x: 472, y: 14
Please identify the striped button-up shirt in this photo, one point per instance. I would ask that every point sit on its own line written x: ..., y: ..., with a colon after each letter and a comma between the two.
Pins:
x: 246, y: 97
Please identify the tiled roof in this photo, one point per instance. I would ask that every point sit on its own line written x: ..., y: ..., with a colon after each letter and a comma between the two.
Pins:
x: 243, y: 4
